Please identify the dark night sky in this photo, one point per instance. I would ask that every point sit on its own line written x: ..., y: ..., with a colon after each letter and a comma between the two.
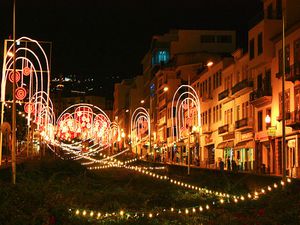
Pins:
x: 109, y: 38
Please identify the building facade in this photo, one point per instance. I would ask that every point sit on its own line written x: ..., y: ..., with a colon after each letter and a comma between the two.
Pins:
x: 240, y: 95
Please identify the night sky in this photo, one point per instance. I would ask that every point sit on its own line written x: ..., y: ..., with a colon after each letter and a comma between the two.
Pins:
x: 105, y: 39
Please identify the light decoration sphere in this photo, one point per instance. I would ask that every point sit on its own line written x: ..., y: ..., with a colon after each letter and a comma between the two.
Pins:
x: 29, y: 107
x: 20, y: 93
x: 11, y: 76
x: 26, y: 71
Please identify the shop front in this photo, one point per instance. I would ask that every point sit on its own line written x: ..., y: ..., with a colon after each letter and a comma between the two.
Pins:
x: 292, y: 156
x: 265, y: 158
x: 228, y: 153
x: 244, y: 155
x: 209, y: 155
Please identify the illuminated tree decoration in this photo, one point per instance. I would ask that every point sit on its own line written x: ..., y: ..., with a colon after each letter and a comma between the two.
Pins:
x: 26, y: 71
x: 29, y: 107
x: 20, y: 93
x: 11, y: 76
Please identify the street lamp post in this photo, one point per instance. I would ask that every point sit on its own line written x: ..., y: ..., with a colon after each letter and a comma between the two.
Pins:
x: 13, y: 149
x: 283, y: 101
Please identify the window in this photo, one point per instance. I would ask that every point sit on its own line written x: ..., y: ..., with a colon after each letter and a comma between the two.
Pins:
x: 270, y: 11
x: 209, y: 116
x: 297, y: 100
x: 279, y: 9
x: 259, y: 82
x: 238, y: 112
x: 217, y: 113
x: 220, y: 112
x: 207, y: 38
x: 297, y: 56
x: 251, y: 47
x: 259, y: 44
x: 160, y: 56
x: 259, y: 121
x: 223, y: 38
x: 228, y: 83
x: 286, y: 102
x: 217, y: 79
x: 287, y: 60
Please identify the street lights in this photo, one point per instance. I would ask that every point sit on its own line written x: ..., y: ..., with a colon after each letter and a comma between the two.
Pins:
x: 283, y: 101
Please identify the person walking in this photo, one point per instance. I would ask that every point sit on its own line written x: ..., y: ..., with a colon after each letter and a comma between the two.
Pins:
x: 228, y: 164
x: 221, y: 165
x: 234, y: 166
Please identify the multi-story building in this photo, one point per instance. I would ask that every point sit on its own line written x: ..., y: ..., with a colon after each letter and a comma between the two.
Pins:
x: 240, y: 95
x: 178, y: 57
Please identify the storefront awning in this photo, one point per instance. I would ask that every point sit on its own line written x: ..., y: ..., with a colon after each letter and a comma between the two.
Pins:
x: 245, y: 144
x: 225, y: 144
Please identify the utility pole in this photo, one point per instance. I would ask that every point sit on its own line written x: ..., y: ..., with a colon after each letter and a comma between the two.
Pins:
x: 13, y: 149
x: 283, y: 102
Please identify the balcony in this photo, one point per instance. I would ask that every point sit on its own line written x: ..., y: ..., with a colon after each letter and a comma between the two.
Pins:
x: 162, y: 121
x: 223, y: 129
x: 162, y: 103
x: 287, y: 116
x: 294, y: 122
x: 287, y: 72
x: 206, y: 129
x: 223, y: 94
x: 241, y: 85
x: 206, y: 97
x: 261, y: 97
x: 294, y: 73
x: 244, y: 124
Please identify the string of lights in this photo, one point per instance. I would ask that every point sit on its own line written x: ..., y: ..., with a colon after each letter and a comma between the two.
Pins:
x: 127, y: 214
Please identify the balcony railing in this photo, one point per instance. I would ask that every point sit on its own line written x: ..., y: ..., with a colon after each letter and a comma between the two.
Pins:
x: 294, y: 73
x: 223, y: 129
x: 223, y: 94
x: 162, y: 121
x: 287, y: 72
x: 241, y: 123
x: 241, y: 85
x: 294, y: 121
x: 206, y: 97
x: 260, y: 93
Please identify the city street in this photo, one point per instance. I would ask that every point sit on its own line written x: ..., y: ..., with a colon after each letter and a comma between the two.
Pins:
x: 150, y: 112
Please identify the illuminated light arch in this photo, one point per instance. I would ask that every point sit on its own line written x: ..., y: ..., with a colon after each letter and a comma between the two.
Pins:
x: 8, y: 62
x: 187, y: 98
x: 115, y: 134
x: 139, y: 116
x: 83, y: 129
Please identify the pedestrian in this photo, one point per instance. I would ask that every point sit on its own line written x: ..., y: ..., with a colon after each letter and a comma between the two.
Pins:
x: 234, y: 166
x: 228, y: 164
x: 221, y: 165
